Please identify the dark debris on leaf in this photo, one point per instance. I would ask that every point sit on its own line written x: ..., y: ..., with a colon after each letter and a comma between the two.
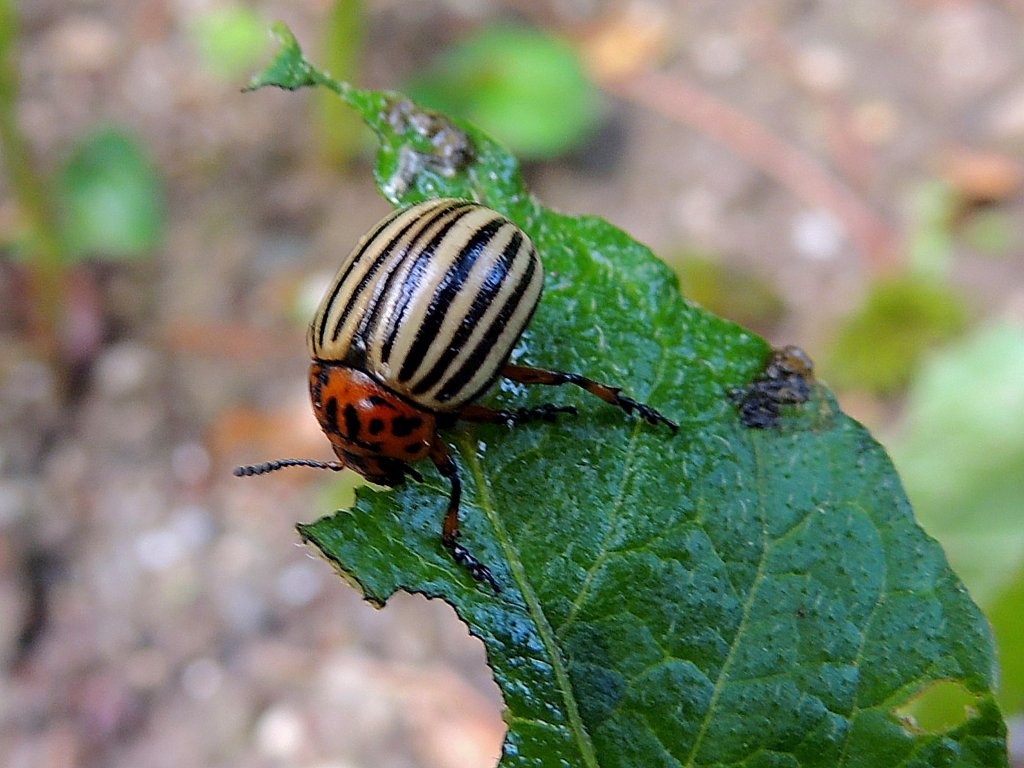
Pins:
x: 786, y: 380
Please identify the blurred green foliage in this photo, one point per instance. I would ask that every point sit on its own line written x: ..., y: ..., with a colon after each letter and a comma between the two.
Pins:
x: 110, y: 198
x: 231, y: 39
x: 943, y: 217
x: 961, y: 457
x: 881, y: 345
x: 990, y: 231
x: 522, y: 85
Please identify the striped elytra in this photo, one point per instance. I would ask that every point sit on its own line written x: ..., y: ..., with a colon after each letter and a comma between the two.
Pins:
x: 431, y: 302
x: 418, y: 322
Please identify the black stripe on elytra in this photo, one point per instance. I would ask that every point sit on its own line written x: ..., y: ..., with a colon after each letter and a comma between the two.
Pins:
x: 321, y: 327
x: 457, y: 272
x: 448, y: 289
x: 379, y: 258
x: 485, y: 346
x: 376, y: 307
x: 383, y: 256
x: 492, y: 284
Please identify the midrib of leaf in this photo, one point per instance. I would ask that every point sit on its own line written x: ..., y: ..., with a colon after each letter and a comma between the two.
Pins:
x: 755, y: 585
x: 468, y: 445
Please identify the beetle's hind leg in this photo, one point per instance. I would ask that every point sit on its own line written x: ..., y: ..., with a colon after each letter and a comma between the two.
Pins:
x: 450, y: 530
x: 613, y: 395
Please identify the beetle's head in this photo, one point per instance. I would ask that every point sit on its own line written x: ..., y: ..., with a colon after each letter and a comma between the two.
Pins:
x: 373, y: 431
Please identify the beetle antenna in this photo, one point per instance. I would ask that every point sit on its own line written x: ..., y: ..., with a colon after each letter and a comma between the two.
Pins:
x: 269, y: 466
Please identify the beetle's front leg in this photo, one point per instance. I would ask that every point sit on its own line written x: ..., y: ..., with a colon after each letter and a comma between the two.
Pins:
x: 513, y: 417
x: 525, y: 374
x: 450, y: 530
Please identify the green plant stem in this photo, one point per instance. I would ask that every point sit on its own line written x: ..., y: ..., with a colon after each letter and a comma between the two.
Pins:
x: 46, y: 270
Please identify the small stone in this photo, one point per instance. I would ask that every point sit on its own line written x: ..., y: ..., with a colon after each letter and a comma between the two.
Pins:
x: 280, y: 732
x: 817, y: 234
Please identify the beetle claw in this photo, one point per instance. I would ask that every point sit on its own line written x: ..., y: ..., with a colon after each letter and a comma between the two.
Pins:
x: 477, y: 570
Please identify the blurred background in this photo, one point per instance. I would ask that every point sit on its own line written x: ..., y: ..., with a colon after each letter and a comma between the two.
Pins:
x: 843, y: 176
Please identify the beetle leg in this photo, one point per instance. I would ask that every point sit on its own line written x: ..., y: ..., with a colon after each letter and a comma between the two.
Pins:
x: 514, y: 417
x: 613, y: 395
x: 450, y: 530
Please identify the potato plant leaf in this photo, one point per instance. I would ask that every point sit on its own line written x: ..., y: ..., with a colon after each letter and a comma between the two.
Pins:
x: 722, y: 596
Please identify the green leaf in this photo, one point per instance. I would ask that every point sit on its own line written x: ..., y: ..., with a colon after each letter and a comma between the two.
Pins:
x: 723, y: 596
x: 111, y: 198
x: 522, y: 85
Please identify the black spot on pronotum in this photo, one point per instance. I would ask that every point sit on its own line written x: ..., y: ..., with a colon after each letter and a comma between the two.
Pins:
x: 402, y: 426
x: 413, y: 448
x: 352, y: 423
x: 376, y: 426
x: 377, y: 400
x: 331, y: 414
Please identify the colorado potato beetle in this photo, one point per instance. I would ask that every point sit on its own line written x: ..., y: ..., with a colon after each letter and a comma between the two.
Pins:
x: 417, y: 324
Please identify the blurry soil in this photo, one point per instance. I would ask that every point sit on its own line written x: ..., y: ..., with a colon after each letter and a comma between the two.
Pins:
x: 155, y: 610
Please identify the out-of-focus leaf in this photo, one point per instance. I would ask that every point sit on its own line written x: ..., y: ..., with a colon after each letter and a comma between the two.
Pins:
x: 880, y: 346
x: 111, y: 198
x: 962, y: 454
x: 523, y: 85
x: 992, y: 232
x: 231, y: 39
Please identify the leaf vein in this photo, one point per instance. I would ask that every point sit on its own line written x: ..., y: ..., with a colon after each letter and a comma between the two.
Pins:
x: 748, y: 603
x: 533, y: 604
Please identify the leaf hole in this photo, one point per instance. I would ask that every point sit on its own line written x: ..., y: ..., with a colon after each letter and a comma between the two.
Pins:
x: 939, y: 707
